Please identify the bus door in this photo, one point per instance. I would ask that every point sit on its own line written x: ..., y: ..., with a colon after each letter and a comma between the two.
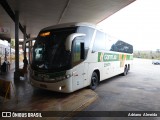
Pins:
x: 78, y: 54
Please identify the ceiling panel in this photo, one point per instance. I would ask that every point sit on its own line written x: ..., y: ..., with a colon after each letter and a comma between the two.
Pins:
x: 37, y: 14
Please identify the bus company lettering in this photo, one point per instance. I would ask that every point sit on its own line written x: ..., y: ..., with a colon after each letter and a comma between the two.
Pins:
x: 109, y: 57
x: 104, y: 57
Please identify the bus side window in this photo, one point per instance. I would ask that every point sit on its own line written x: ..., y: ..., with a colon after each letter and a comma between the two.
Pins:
x: 99, y: 42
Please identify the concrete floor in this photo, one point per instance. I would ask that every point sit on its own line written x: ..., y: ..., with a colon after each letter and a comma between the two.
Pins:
x: 34, y: 99
x: 138, y: 91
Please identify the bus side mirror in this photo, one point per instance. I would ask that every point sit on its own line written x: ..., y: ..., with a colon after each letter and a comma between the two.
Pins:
x: 70, y: 38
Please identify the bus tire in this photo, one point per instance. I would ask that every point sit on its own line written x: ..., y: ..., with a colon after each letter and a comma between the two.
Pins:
x: 125, y: 70
x: 94, y: 81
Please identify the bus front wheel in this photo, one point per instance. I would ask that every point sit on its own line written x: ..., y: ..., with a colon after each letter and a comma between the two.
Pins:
x: 94, y: 81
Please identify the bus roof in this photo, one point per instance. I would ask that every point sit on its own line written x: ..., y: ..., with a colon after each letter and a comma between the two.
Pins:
x: 64, y: 25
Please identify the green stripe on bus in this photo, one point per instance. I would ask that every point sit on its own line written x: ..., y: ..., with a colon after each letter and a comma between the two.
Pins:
x: 129, y: 57
x: 104, y: 57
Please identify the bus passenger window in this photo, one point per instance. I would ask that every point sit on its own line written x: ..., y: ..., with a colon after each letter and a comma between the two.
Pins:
x: 99, y: 42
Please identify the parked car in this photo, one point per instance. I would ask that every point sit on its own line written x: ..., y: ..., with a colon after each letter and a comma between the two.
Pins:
x: 156, y: 62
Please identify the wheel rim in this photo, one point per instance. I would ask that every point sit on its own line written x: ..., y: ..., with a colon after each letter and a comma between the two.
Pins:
x: 94, y: 81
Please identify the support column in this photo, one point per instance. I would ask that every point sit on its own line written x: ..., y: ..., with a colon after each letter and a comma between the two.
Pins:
x: 29, y: 50
x: 5, y: 53
x: 16, y: 73
x: 10, y: 59
x: 24, y: 37
x: 31, y: 44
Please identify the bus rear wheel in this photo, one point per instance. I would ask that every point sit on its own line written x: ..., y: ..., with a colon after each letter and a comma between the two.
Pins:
x: 94, y: 81
x: 125, y: 71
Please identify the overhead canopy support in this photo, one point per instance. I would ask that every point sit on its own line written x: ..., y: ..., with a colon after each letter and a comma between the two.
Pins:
x: 63, y: 12
x: 8, y: 9
x: 24, y: 37
x: 16, y: 73
x: 51, y: 12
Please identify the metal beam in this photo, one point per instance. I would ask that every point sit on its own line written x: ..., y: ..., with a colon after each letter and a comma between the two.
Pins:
x: 9, y: 11
x: 64, y: 11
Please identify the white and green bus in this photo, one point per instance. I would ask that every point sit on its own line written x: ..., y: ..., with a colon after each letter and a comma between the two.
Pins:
x: 71, y: 56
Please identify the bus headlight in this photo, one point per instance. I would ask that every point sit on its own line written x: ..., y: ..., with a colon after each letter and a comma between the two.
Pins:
x: 68, y: 76
x: 63, y: 77
x: 61, y: 87
x: 60, y: 78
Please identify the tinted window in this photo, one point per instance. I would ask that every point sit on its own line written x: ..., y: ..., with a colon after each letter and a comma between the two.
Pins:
x: 49, y: 51
x: 108, y: 43
x: 118, y: 45
x: 121, y: 46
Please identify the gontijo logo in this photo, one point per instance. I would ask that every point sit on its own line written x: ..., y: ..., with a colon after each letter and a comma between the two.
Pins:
x: 104, y: 57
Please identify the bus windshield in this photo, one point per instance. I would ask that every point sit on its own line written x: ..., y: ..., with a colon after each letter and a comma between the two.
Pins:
x: 49, y: 50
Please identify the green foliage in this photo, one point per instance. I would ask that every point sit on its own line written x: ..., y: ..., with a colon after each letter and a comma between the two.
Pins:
x: 147, y: 54
x: 12, y: 43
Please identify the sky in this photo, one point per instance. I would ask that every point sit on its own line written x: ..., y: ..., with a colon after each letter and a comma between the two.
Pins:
x: 137, y: 24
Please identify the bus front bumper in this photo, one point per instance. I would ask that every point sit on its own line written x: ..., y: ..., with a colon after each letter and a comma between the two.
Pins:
x: 64, y: 86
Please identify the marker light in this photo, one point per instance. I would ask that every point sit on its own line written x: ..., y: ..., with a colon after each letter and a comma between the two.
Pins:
x: 45, y: 34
